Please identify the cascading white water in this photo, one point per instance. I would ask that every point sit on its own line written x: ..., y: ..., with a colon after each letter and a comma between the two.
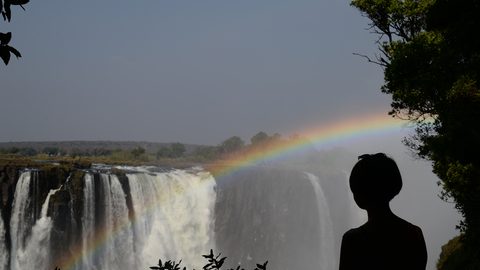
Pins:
x: 171, y: 218
x: 117, y: 251
x: 174, y: 215
x: 30, y: 246
x: 37, y: 252
x: 20, y: 219
x: 88, y: 222
x: 131, y: 222
x: 327, y: 244
x: 3, y: 248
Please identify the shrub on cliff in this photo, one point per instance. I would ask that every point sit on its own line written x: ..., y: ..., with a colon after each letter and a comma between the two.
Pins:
x: 456, y: 255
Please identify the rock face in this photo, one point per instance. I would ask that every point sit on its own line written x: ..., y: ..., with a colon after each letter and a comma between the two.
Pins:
x: 46, y: 178
x: 41, y: 181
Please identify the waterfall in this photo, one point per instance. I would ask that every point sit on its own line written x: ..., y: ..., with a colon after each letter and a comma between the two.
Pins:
x: 30, y: 246
x: 327, y: 245
x: 117, y: 251
x: 37, y: 253
x: 3, y: 248
x: 174, y: 215
x: 88, y: 222
x: 170, y: 216
x: 106, y: 221
x: 21, y: 219
x: 275, y: 214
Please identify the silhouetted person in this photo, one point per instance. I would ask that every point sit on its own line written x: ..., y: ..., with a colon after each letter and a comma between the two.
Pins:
x: 385, y: 241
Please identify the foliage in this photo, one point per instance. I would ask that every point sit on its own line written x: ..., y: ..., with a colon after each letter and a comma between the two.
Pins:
x: 215, y: 262
x: 22, y: 151
x: 259, y: 138
x: 5, y: 49
x: 168, y: 265
x: 455, y: 256
x: 206, y: 152
x: 138, y: 151
x: 51, y: 151
x: 178, y: 149
x: 231, y: 145
x: 28, y: 151
x: 163, y: 152
x: 175, y: 150
x: 431, y: 61
x: 174, y: 154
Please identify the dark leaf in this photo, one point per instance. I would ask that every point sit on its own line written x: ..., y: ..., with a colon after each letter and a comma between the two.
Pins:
x: 5, y: 55
x: 14, y: 51
x: 19, y: 2
x: 7, y: 11
x: 5, y: 38
x: 262, y: 266
x: 220, y: 262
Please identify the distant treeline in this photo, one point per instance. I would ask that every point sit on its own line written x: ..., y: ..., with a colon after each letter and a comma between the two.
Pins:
x: 141, y: 151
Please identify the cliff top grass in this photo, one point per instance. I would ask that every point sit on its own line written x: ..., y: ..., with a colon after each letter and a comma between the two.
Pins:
x: 43, y: 161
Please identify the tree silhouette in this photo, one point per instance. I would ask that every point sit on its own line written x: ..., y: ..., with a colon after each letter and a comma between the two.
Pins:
x: 215, y: 262
x: 6, y: 10
x: 431, y: 59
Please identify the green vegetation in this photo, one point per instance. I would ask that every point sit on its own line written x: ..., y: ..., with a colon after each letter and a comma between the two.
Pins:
x: 455, y: 255
x: 206, y: 153
x: 231, y: 145
x: 431, y: 61
x: 175, y: 150
x: 142, y: 153
x: 259, y: 138
x: 137, y: 152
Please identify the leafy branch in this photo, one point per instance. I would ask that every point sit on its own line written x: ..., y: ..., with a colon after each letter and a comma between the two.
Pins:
x: 215, y: 262
x: 6, y: 11
x: 5, y: 49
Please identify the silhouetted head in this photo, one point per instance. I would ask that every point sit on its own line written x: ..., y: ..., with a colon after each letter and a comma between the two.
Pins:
x: 375, y: 180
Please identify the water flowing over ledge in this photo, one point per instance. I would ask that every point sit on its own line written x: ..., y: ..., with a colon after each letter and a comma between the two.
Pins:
x: 123, y: 217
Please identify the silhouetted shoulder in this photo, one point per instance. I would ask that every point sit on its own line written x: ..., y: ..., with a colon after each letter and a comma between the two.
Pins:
x: 395, y: 244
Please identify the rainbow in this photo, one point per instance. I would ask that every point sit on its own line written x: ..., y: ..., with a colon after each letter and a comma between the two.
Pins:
x: 323, y: 136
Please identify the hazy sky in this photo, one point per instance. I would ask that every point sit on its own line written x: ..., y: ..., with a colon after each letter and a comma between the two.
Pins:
x: 201, y: 71
x: 189, y: 71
